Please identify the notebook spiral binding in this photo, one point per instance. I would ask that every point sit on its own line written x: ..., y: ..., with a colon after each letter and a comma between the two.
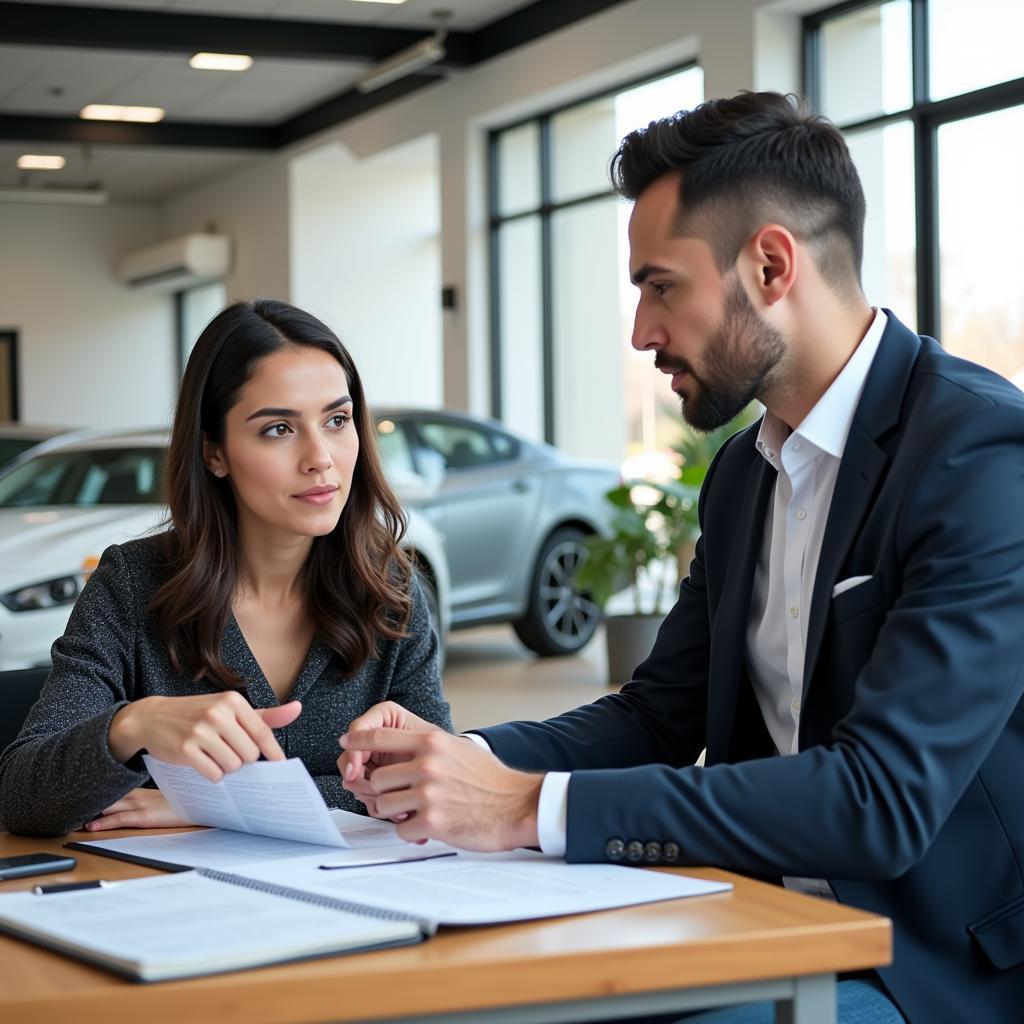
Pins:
x: 331, y: 902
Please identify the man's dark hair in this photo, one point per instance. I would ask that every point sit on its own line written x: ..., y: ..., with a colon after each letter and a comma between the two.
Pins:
x: 752, y: 159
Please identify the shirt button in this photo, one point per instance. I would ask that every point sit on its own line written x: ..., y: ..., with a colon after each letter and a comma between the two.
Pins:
x: 769, y: 453
x: 794, y: 612
x: 796, y: 707
x: 801, y: 513
x: 797, y: 446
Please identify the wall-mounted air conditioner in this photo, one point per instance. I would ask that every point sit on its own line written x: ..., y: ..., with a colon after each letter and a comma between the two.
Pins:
x: 177, y: 264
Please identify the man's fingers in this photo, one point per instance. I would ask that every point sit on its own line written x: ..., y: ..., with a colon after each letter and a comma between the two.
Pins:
x: 401, y: 775
x: 351, y: 763
x: 383, y: 740
x: 398, y: 803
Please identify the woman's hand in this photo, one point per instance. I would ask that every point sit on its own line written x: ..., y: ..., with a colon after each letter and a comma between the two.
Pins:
x: 356, y: 766
x: 141, y: 808
x: 213, y: 733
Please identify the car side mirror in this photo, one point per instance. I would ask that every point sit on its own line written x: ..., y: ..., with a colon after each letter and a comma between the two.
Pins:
x: 411, y: 487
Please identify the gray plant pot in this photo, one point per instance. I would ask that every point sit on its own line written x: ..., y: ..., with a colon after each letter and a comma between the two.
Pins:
x: 629, y: 639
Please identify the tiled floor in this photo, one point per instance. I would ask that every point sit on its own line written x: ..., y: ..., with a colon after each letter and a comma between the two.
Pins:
x: 490, y: 677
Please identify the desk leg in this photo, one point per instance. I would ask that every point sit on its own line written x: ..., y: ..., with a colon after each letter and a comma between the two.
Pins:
x: 814, y: 1001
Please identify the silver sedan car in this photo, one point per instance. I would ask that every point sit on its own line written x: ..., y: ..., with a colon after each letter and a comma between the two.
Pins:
x: 514, y: 515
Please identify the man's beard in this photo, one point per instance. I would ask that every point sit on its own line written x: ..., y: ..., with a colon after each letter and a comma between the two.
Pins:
x: 738, y: 359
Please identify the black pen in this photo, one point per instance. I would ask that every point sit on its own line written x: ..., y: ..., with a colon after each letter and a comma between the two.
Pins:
x: 45, y: 890
x: 389, y: 860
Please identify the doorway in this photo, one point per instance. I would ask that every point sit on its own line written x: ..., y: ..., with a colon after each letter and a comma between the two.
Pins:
x: 8, y: 375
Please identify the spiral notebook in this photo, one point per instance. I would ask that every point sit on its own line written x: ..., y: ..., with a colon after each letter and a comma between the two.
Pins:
x: 200, y: 922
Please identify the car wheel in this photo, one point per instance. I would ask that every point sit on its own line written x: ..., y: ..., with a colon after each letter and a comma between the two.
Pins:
x: 433, y: 610
x: 560, y: 619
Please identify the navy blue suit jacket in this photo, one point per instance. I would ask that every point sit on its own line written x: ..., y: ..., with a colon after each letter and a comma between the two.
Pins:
x: 908, y: 791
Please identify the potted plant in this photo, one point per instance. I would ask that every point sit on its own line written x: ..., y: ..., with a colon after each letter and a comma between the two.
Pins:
x: 695, y: 452
x: 637, y: 555
x: 648, y: 549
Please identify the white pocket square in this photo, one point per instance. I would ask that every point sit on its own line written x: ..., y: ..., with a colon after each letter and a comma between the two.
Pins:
x: 848, y: 584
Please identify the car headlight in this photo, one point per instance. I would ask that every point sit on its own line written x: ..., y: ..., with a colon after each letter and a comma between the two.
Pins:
x: 48, y: 594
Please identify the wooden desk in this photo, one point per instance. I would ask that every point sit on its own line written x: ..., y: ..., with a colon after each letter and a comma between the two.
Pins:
x: 756, y: 942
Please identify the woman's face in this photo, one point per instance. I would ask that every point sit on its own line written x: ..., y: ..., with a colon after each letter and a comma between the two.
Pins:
x: 290, y: 445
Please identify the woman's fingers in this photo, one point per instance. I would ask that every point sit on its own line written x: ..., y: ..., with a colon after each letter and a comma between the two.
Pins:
x: 141, y: 808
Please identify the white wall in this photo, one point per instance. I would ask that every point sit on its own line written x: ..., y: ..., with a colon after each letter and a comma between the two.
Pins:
x: 366, y: 259
x: 252, y: 209
x: 92, y: 352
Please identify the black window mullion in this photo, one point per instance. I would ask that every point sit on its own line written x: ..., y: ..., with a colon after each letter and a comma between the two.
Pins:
x: 811, y: 71
x: 494, y: 271
x: 547, y: 288
x: 919, y: 51
x: 178, y: 317
x: 926, y: 202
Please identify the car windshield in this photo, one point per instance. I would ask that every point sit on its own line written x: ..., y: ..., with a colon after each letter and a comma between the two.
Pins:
x: 102, y: 476
x: 10, y: 447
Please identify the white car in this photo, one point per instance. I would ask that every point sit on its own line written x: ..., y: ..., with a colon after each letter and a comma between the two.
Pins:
x: 64, y: 502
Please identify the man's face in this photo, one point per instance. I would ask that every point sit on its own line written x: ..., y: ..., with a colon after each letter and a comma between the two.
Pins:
x: 699, y: 322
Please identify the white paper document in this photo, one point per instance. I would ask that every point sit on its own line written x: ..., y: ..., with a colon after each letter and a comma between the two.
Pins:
x: 172, y: 926
x: 268, y: 798
x: 486, y: 888
x: 371, y: 842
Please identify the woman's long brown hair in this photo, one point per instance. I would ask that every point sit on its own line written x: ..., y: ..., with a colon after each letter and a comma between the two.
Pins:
x: 356, y: 577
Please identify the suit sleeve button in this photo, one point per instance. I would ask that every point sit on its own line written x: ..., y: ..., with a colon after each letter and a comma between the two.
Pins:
x: 615, y: 849
x: 652, y: 853
x: 670, y: 851
x: 635, y: 851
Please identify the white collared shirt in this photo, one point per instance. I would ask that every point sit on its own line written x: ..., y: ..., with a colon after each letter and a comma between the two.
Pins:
x: 807, y: 462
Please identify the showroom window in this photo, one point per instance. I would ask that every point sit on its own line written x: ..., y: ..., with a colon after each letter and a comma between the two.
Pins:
x: 562, y: 307
x: 930, y: 96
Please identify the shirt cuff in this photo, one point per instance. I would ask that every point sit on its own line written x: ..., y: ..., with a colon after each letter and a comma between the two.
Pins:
x: 553, y: 813
x: 478, y: 740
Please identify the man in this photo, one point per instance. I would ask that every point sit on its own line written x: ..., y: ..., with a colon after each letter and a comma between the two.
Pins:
x: 848, y: 644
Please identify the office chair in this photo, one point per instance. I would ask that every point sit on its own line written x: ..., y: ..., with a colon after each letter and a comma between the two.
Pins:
x: 18, y: 692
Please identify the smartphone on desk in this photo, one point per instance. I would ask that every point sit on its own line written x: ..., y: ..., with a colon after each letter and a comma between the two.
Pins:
x: 34, y: 864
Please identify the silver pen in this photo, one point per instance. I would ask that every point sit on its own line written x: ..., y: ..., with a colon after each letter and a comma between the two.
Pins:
x: 388, y: 860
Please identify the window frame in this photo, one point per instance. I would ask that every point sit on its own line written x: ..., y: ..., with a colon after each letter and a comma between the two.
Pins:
x: 927, y: 117
x: 545, y: 210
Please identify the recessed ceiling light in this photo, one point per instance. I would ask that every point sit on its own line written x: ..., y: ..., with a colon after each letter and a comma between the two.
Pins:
x: 221, y: 61
x: 39, y: 162
x: 378, y: 1
x: 113, y: 112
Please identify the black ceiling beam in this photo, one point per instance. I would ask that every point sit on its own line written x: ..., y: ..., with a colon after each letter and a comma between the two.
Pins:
x: 349, y: 104
x: 169, y: 32
x: 15, y: 127
x: 529, y: 23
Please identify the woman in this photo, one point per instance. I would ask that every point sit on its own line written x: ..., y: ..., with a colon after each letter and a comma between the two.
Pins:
x: 276, y: 608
